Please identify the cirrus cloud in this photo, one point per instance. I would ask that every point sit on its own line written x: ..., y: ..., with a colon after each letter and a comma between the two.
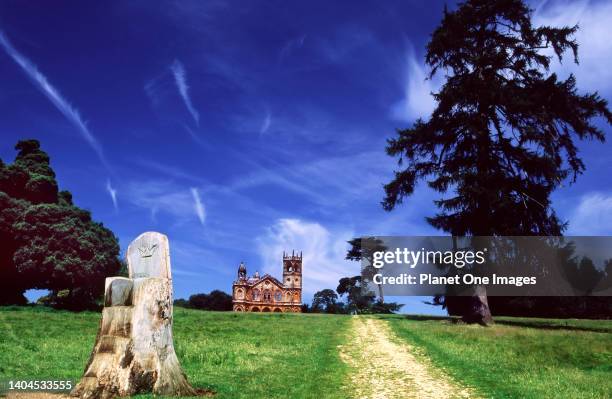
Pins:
x: 323, y: 250
x: 592, y: 215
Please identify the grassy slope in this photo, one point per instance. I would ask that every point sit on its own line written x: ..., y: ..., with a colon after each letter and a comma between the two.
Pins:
x: 237, y: 355
x: 517, y: 362
x: 279, y: 356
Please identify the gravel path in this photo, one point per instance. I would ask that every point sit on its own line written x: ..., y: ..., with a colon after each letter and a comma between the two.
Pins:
x: 383, y: 368
x: 35, y: 395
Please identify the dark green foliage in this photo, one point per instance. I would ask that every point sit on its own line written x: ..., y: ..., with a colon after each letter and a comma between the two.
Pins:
x: 326, y: 301
x: 216, y: 300
x: 183, y: 303
x: 584, y: 278
x: 502, y: 136
x: 363, y: 249
x: 48, y: 243
x: 358, y: 301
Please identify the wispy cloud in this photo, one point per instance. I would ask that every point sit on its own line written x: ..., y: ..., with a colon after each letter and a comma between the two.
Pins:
x: 112, y: 192
x: 194, y: 259
x: 152, y: 90
x: 266, y: 123
x: 168, y: 170
x: 290, y: 46
x: 160, y: 196
x: 191, y: 14
x: 592, y: 215
x: 327, y: 182
x: 324, y: 252
x: 595, y: 51
x: 198, y: 205
x: 344, y: 42
x: 180, y: 78
x: 43, y: 84
x: 417, y: 101
x: 196, y: 137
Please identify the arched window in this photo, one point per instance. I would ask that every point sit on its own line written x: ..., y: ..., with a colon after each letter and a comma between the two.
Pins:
x: 266, y: 296
x: 256, y: 295
x: 278, y: 296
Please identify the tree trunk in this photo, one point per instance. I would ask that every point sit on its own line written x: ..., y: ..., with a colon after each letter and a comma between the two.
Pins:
x: 477, y: 310
x: 380, y: 293
x: 134, y: 351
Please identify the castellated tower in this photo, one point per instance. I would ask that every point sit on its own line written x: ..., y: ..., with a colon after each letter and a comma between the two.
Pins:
x: 266, y: 293
x: 292, y: 270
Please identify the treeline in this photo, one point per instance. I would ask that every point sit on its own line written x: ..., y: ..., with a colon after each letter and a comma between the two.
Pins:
x: 349, y: 298
x: 580, y: 272
x: 215, y: 300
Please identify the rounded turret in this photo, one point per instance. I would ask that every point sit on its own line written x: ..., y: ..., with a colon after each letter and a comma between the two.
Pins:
x: 242, y: 272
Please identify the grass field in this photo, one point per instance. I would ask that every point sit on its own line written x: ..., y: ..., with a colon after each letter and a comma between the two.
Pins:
x: 532, y: 358
x: 236, y: 355
x: 296, y: 356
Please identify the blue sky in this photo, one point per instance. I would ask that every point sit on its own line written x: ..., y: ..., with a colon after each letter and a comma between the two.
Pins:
x: 242, y: 129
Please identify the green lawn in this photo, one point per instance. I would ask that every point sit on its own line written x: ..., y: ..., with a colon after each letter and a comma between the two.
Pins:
x: 296, y: 356
x: 508, y: 361
x: 237, y: 355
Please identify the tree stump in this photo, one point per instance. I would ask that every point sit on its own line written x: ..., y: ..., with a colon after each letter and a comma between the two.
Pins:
x: 134, y: 352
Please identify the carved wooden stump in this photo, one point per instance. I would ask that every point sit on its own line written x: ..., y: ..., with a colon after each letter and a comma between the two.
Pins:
x: 134, y: 352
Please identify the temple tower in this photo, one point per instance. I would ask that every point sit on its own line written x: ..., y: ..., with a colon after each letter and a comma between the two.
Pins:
x: 292, y: 270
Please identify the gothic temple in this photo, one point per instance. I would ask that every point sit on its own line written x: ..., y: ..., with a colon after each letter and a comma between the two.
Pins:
x: 266, y: 293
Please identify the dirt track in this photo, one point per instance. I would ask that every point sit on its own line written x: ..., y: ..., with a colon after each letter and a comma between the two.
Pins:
x: 383, y: 368
x: 37, y: 395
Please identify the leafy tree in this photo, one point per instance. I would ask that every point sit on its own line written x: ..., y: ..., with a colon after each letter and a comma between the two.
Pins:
x: 584, y: 275
x: 502, y: 135
x: 181, y: 302
x: 357, y: 302
x: 219, y: 300
x: 215, y: 300
x: 48, y: 242
x: 364, y: 248
x: 198, y: 301
x: 607, y: 282
x: 326, y: 301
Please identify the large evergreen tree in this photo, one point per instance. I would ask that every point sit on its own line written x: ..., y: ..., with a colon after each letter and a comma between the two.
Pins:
x: 502, y: 136
x: 48, y: 242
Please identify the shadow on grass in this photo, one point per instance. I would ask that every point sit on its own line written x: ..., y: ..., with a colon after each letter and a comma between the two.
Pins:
x: 553, y: 325
x: 599, y: 326
x: 416, y: 317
